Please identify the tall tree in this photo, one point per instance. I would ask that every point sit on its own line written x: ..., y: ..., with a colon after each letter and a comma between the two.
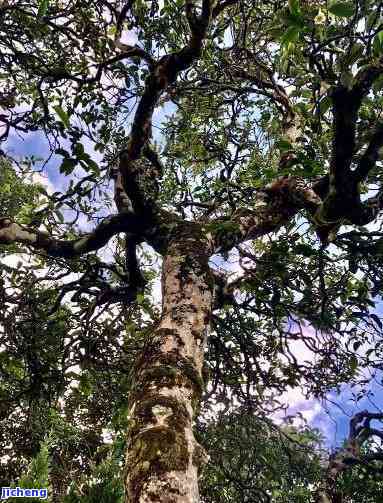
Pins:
x: 271, y: 154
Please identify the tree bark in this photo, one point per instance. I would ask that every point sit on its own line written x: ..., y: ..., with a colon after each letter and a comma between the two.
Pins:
x: 163, y: 456
x: 325, y: 496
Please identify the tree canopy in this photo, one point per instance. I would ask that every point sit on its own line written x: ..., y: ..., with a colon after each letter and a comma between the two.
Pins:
x: 237, y: 145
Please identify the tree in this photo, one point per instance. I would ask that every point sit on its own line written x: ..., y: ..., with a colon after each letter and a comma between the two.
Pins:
x: 271, y: 153
x: 251, y: 459
x: 358, y: 450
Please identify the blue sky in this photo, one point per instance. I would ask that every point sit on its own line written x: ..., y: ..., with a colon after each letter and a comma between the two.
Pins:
x: 35, y: 144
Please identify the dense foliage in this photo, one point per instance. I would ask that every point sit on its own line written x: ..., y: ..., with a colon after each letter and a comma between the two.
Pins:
x: 284, y: 95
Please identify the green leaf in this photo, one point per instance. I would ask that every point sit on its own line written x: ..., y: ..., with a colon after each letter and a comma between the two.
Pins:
x: 372, y: 18
x: 305, y: 250
x: 277, y: 31
x: 89, y: 164
x: 43, y: 7
x: 354, y: 362
x: 377, y: 43
x: 68, y: 165
x: 290, y: 35
x: 78, y: 150
x: 347, y: 79
x: 357, y: 345
x: 284, y: 145
x: 61, y: 151
x: 64, y: 117
x: 342, y: 9
x: 60, y: 216
x: 325, y: 104
x: 378, y: 84
x: 99, y: 147
x: 294, y: 6
x: 355, y: 54
x: 93, y: 166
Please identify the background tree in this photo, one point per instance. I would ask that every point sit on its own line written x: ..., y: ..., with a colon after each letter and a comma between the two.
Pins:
x: 270, y: 158
x: 362, y: 448
x: 251, y: 459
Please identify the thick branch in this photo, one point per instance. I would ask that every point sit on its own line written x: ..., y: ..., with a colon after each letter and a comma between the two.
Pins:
x: 11, y: 232
x: 263, y: 78
x: 350, y: 454
x: 129, y: 50
x: 343, y: 199
x: 275, y: 205
x: 164, y: 73
x: 371, y: 155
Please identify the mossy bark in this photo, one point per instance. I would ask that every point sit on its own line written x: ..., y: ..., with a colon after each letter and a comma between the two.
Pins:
x: 323, y: 497
x: 163, y: 456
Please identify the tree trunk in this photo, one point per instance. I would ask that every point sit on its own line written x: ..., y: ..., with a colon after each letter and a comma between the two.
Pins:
x: 162, y: 455
x: 325, y: 496
x: 328, y: 492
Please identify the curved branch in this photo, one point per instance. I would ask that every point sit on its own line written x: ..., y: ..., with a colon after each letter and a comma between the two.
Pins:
x: 360, y: 431
x: 11, y: 232
x: 275, y: 205
x: 343, y: 199
x: 371, y: 155
x: 164, y: 73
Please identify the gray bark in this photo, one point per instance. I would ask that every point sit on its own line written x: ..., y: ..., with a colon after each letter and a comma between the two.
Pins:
x: 163, y: 456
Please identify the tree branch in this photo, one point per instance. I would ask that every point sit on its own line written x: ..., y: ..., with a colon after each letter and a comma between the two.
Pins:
x: 343, y: 198
x: 275, y: 205
x: 350, y: 454
x: 164, y: 73
x: 371, y: 155
x: 11, y: 232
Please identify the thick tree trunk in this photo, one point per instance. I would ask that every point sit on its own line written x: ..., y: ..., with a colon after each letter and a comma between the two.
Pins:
x: 325, y: 496
x: 328, y: 492
x: 162, y: 455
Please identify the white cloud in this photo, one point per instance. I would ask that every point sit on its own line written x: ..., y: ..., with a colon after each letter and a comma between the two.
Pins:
x: 129, y: 37
x: 44, y: 181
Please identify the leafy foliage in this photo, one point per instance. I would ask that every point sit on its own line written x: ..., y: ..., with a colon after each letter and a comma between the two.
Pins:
x: 253, y: 460
x: 259, y: 106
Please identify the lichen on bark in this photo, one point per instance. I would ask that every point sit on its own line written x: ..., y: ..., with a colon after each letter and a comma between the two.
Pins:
x: 163, y: 456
